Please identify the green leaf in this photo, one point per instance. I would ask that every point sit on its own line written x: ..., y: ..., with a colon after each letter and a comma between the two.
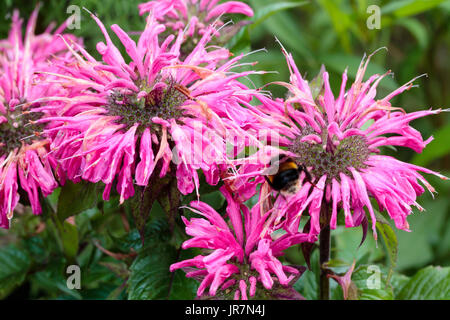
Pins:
x: 316, y: 84
x: 150, y: 277
x: 214, y: 199
x: 398, y: 281
x: 410, y: 7
x: 430, y: 283
x: 262, y: 14
x: 76, y: 198
x: 53, y: 280
x: 14, y: 264
x: 308, y: 284
x: 285, y: 28
x: 69, y: 238
x: 416, y: 29
x: 435, y: 149
x: 415, y: 248
x: 183, y: 288
x: 390, y: 242
x: 240, y: 43
x: 342, y: 22
x: 347, y: 246
x: 371, y: 283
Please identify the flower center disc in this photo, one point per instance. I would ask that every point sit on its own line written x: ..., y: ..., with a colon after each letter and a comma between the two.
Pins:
x: 350, y: 152
x: 162, y: 103
x: 15, y: 131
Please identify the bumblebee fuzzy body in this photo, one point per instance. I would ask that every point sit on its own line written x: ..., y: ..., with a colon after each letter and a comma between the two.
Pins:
x: 287, y: 179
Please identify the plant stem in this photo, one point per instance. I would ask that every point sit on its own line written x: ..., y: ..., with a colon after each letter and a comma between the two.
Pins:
x: 324, y: 248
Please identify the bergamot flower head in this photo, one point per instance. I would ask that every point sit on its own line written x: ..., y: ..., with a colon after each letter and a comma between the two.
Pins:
x: 127, y: 123
x: 193, y: 14
x: 338, y: 139
x: 194, y: 18
x: 243, y: 250
x: 25, y: 161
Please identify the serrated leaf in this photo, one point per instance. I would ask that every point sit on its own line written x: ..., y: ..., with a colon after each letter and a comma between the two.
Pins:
x: 150, y: 276
x: 76, y: 198
x: 430, y: 283
x: 371, y: 283
x: 14, y: 264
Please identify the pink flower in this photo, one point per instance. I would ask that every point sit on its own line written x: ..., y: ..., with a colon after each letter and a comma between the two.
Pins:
x: 193, y: 14
x: 127, y: 124
x: 242, y: 253
x: 25, y: 161
x: 338, y: 139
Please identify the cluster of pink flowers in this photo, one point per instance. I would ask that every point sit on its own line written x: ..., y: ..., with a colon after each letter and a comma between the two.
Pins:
x: 172, y: 114
x: 157, y: 106
x: 338, y: 140
x: 242, y: 257
x: 24, y: 153
x: 193, y: 16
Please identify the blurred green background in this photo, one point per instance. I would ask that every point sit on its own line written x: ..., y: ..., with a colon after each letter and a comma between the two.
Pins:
x: 335, y: 33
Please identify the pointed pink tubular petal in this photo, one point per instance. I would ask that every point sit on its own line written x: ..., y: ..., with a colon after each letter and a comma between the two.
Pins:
x: 8, y: 192
x: 316, y: 204
x: 32, y: 191
x: 130, y: 47
x: 362, y: 191
x: 345, y: 197
x: 205, y: 283
x: 329, y: 98
x: 107, y: 191
x: 243, y: 288
x: 194, y: 262
x: 207, y: 5
x: 208, y: 212
x: 162, y: 147
x: 109, y: 52
x: 253, y: 282
x: 184, y: 178
x: 234, y: 213
x: 311, y: 137
x: 31, y: 25
x: 228, y: 284
x: 125, y: 181
x: 145, y: 167
x: 220, y: 275
x: 122, y: 83
x: 336, y: 196
x: 341, y: 98
x: 230, y: 7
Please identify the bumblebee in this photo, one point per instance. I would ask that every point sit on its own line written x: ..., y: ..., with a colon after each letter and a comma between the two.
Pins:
x: 287, y: 178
